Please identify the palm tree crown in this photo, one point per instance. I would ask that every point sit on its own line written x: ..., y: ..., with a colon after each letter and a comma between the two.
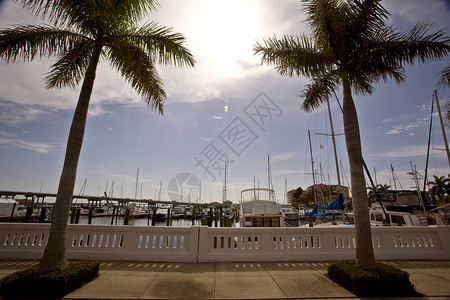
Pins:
x: 350, y: 45
x: 83, y: 32
x: 353, y: 38
x: 440, y: 188
x: 110, y: 26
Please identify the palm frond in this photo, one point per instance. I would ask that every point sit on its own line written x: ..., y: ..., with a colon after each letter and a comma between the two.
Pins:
x: 395, y: 48
x: 138, y: 69
x: 320, y: 89
x: 368, y: 67
x: 28, y: 41
x: 162, y: 45
x: 444, y: 77
x: 326, y: 20
x: 365, y: 18
x: 61, y: 11
x: 70, y: 67
x: 292, y: 55
x: 361, y: 84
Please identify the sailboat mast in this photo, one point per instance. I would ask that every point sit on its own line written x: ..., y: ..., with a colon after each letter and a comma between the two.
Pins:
x: 269, y: 178
x: 312, y: 167
x: 254, y: 187
x: 159, y: 194
x: 137, y: 179
x: 334, y: 147
x: 224, y: 197
x: 393, y: 178
x: 442, y: 125
x: 285, y: 191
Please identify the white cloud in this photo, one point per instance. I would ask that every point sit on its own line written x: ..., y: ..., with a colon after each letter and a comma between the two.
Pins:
x: 13, y: 114
x: 27, y: 145
x: 285, y: 156
x: 404, y: 151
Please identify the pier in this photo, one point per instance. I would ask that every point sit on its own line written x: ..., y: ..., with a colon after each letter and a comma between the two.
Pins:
x: 39, y: 211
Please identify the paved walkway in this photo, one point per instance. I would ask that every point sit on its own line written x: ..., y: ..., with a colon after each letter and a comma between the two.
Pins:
x: 287, y: 280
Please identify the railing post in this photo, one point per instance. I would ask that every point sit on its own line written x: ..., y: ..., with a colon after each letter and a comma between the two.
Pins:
x: 203, y: 243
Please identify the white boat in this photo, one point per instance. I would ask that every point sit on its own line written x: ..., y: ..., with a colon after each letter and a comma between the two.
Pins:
x: 260, y: 210
x: 402, y: 215
x: 289, y: 213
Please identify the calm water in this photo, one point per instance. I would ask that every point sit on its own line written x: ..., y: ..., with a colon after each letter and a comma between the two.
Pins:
x: 138, y: 221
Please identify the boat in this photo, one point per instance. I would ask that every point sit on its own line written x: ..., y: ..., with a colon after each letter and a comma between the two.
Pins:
x: 162, y: 212
x: 289, y: 213
x: 261, y: 210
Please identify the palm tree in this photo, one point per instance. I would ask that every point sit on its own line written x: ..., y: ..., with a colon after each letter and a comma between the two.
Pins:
x: 444, y: 77
x: 84, y: 32
x: 440, y: 188
x: 444, y: 81
x: 350, y: 45
x: 380, y: 187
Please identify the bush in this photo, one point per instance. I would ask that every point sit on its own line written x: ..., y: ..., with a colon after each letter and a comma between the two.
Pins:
x: 383, y: 280
x: 29, y: 284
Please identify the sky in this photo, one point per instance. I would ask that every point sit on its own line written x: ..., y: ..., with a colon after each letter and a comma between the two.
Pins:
x: 228, y: 107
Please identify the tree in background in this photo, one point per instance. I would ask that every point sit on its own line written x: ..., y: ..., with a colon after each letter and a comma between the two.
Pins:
x: 351, y: 45
x: 440, y: 189
x: 83, y: 33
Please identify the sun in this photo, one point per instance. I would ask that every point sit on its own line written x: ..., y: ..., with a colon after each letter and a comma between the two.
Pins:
x: 225, y: 32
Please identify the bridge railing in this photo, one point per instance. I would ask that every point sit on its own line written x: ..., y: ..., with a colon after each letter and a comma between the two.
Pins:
x: 204, y: 244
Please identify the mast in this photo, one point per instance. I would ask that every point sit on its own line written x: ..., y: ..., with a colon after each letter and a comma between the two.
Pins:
x: 334, y: 147
x: 312, y: 167
x: 269, y: 177
x: 159, y: 195
x: 137, y: 179
x: 428, y: 146
x: 416, y: 181
x: 268, y: 170
x: 442, y: 126
x: 200, y: 193
x: 285, y: 191
x: 393, y: 178
x: 224, y: 194
x: 254, y: 187
x: 111, y: 191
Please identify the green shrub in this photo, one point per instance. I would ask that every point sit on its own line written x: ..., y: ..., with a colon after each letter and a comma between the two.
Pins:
x: 382, y: 281
x: 29, y: 284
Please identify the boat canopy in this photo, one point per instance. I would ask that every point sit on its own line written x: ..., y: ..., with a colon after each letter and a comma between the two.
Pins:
x: 338, y: 203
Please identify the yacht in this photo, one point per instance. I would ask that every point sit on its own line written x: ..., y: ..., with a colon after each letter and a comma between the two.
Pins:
x: 258, y: 208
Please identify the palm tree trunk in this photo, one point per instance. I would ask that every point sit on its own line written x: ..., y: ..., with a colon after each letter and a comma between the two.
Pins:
x: 364, y: 251
x: 54, y: 256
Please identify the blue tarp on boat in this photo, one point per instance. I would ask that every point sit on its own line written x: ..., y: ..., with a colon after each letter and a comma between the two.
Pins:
x: 338, y: 203
x: 313, y: 212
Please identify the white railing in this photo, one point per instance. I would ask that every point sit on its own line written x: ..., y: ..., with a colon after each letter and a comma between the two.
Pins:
x: 203, y: 244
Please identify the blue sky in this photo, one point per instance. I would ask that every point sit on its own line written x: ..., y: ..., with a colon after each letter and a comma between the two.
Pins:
x: 207, y: 104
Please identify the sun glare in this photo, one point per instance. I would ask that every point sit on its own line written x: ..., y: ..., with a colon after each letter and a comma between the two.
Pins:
x: 225, y: 33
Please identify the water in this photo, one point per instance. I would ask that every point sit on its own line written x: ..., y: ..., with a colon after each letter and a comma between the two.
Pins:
x: 138, y: 221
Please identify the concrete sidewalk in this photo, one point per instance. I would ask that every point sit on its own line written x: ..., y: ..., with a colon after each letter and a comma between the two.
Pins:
x: 286, y: 280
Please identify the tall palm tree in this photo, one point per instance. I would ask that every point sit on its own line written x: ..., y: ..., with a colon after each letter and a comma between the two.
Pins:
x: 350, y: 45
x: 83, y: 33
x: 440, y: 187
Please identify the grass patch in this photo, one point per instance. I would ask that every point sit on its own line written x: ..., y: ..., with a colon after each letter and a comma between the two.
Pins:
x: 382, y: 281
x: 29, y: 284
